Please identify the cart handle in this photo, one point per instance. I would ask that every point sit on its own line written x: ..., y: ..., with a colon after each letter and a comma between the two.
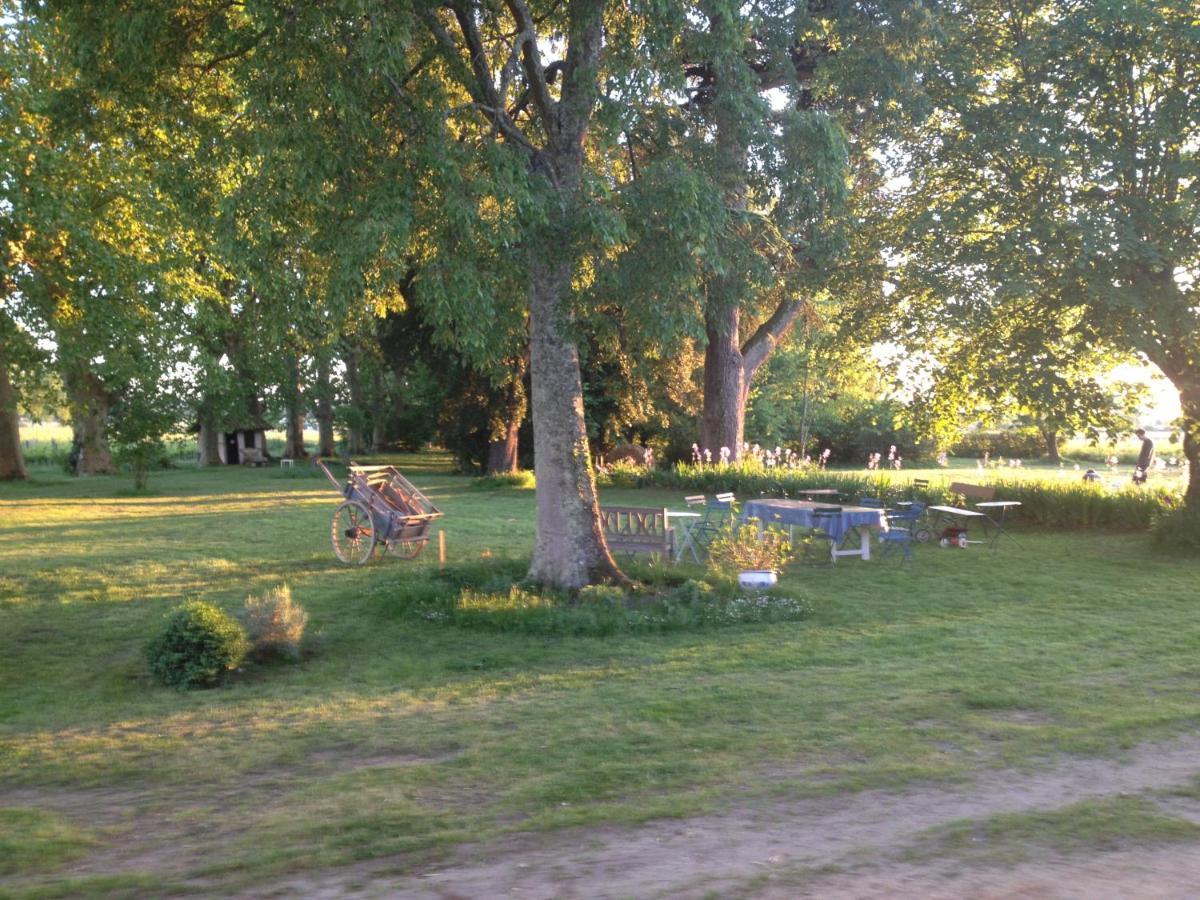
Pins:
x: 337, y: 485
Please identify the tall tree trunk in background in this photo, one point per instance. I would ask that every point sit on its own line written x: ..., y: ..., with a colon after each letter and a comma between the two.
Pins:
x: 294, y: 446
x: 12, y: 462
x: 324, y: 402
x: 723, y: 420
x: 506, y: 424
x: 208, y: 441
x: 729, y: 370
x: 378, y: 409
x: 90, y: 402
x: 1050, y: 435
x: 1189, y: 401
x: 355, y: 439
x: 730, y: 365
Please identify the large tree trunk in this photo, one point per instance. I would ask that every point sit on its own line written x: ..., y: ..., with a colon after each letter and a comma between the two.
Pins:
x: 506, y: 424
x: 294, y: 444
x: 729, y: 365
x: 723, y: 420
x: 570, y: 551
x: 90, y: 403
x: 355, y: 439
x: 12, y: 462
x: 503, y: 456
x: 324, y: 410
x: 1050, y: 435
x: 1189, y: 400
x: 209, y: 441
x: 1183, y: 374
x: 378, y: 408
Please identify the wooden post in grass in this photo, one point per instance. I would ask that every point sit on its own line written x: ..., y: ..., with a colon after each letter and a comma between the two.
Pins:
x: 441, y: 549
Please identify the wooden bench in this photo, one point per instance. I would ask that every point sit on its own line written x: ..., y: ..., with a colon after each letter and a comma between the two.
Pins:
x: 252, y: 456
x: 975, y: 492
x: 638, y: 529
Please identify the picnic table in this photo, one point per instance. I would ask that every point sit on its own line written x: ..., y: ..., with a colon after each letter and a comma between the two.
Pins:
x: 967, y: 516
x: 800, y: 513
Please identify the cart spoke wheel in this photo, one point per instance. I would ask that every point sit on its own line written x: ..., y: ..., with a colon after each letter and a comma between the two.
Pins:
x: 407, y: 549
x: 353, y: 533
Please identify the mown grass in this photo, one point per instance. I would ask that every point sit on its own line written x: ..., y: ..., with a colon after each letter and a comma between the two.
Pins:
x: 393, y: 735
x: 1112, y: 823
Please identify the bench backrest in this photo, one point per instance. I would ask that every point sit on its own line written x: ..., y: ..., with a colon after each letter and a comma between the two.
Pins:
x: 633, y: 529
x: 973, y: 491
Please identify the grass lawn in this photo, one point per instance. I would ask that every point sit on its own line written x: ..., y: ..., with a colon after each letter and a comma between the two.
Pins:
x: 396, y: 736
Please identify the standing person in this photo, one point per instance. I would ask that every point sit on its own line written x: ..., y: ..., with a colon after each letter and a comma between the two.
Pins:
x: 1145, y: 458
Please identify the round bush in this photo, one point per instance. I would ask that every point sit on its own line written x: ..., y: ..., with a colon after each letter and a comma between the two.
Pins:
x: 199, y: 644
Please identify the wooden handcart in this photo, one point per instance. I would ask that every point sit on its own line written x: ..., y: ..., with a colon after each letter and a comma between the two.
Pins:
x: 381, y: 508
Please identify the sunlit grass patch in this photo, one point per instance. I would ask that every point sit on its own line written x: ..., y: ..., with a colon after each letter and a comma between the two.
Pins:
x: 1106, y: 824
x: 499, y: 605
x: 935, y: 669
x: 35, y: 840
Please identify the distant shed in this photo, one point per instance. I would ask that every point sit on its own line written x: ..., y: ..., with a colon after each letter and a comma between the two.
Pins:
x: 232, y: 443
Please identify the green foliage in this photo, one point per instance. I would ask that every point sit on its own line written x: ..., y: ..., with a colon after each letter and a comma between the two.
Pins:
x: 523, y: 478
x: 494, y: 603
x: 1014, y: 443
x: 740, y: 548
x: 143, y: 415
x: 1073, y: 503
x: 275, y: 623
x: 1067, y: 503
x: 199, y: 644
x: 1177, y: 530
x: 821, y: 393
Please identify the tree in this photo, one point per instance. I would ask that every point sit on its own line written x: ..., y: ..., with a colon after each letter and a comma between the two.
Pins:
x: 785, y: 103
x: 88, y: 244
x: 1062, y: 167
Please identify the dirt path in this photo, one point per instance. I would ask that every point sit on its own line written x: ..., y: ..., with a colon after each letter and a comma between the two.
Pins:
x: 780, y: 851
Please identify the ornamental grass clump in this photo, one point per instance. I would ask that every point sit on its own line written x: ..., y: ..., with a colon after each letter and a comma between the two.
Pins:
x: 741, y: 547
x: 199, y: 645
x: 275, y: 623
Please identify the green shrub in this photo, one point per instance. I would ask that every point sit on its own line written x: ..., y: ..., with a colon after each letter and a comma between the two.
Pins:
x: 600, y: 611
x: 1177, y: 530
x: 602, y: 595
x: 522, y: 478
x: 275, y: 623
x: 198, y: 645
x: 740, y: 548
x: 1016, y: 443
x: 1068, y: 503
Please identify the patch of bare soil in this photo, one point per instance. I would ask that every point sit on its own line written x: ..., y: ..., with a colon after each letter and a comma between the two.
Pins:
x: 759, y: 852
x: 1145, y: 874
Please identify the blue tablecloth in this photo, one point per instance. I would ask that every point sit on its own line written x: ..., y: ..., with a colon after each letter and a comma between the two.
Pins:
x: 799, y: 512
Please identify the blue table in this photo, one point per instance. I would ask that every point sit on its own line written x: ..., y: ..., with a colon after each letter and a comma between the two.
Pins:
x: 800, y: 512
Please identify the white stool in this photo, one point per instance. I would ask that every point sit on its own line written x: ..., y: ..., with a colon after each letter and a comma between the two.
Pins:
x: 286, y: 463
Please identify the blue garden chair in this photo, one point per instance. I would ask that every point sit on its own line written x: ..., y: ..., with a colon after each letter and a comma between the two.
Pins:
x: 903, y: 528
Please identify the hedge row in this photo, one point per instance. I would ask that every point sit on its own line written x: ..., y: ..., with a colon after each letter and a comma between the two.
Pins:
x: 1066, y: 504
